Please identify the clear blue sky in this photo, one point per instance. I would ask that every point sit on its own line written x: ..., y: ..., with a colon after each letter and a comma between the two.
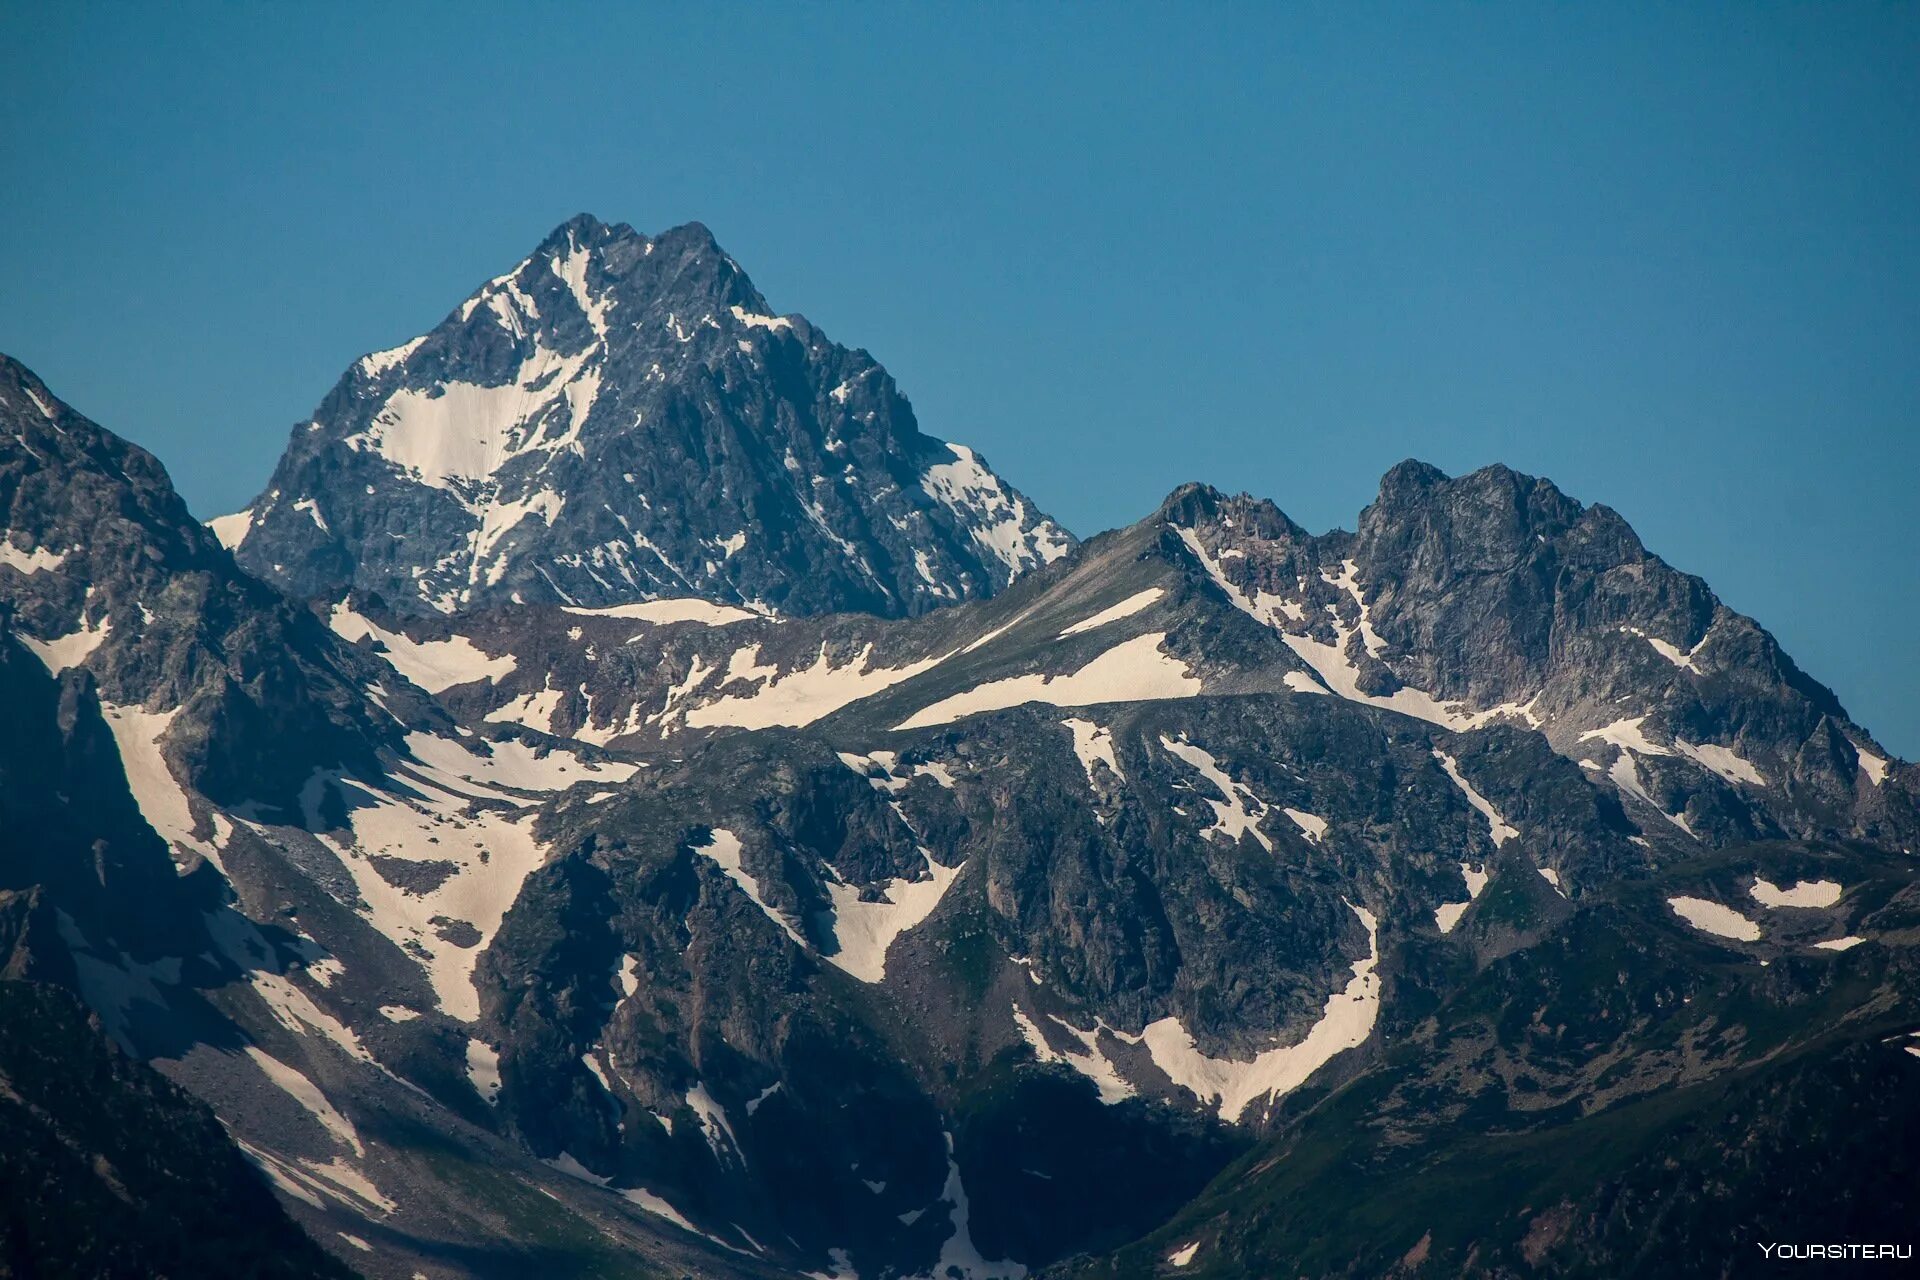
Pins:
x: 1667, y: 256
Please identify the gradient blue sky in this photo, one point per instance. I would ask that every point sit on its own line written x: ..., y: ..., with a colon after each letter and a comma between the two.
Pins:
x: 1666, y: 256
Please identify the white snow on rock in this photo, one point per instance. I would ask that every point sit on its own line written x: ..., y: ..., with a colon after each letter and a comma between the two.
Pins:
x: 723, y: 850
x: 31, y: 561
x: 1262, y: 606
x: 659, y: 1208
x: 942, y: 776
x: 398, y: 1013
x: 72, y: 649
x: 714, y: 1124
x: 572, y: 270
x: 663, y: 612
x: 1847, y: 943
x: 1093, y: 744
x: 1805, y: 893
x: 1449, y: 913
x: 312, y: 509
x: 1875, y: 767
x: 427, y: 815
x: 864, y: 930
x: 1497, y: 826
x: 1330, y: 662
x: 1135, y: 670
x: 493, y: 853
x: 1087, y: 1059
x: 1000, y: 522
x: 511, y: 763
x: 308, y: 1095
x: 1240, y: 813
x: 1342, y: 676
x: 1721, y: 760
x: 163, y: 801
x: 877, y: 769
x: 1345, y: 1023
x: 802, y: 696
x: 483, y: 1069
x: 599, y: 1073
x: 1552, y: 877
x: 1712, y: 917
x: 456, y: 434
x: 534, y: 710
x: 1184, y: 1254
x: 232, y: 530
x: 293, y: 1009
x: 1125, y: 609
x: 753, y: 321
x: 1682, y: 659
x: 1628, y: 735
x: 378, y: 362
x: 1627, y: 738
x: 1312, y: 825
x: 434, y: 665
x: 960, y: 1258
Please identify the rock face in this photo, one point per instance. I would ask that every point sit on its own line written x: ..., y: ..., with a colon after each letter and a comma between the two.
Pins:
x: 1210, y: 884
x: 109, y: 1170
x: 621, y: 417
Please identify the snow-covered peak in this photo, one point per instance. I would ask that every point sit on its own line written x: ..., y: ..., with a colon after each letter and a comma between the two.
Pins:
x: 598, y: 424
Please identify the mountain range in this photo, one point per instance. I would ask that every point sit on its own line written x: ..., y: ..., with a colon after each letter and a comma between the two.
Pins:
x: 623, y: 801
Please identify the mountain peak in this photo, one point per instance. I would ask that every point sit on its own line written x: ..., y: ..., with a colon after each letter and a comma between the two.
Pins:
x: 622, y: 418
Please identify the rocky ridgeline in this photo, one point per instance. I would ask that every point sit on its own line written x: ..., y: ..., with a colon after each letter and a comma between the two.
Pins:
x: 639, y: 913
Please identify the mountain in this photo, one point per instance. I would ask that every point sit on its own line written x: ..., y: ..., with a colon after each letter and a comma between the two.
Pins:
x: 167, y: 715
x: 619, y: 418
x: 109, y: 1170
x: 1213, y: 898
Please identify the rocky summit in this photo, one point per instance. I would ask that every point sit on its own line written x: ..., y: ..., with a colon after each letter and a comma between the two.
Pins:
x: 623, y: 802
x: 620, y: 418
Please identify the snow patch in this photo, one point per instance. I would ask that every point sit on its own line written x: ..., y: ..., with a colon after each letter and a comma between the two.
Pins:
x: 1712, y: 917
x: 802, y: 696
x: 434, y: 665
x: 1497, y: 826
x: 36, y: 560
x: 72, y: 649
x: 998, y: 521
x: 722, y: 848
x: 1345, y: 1023
x: 1312, y: 825
x: 714, y: 1124
x: 1136, y: 670
x: 1875, y: 767
x: 378, y: 362
x: 232, y: 530
x: 1240, y: 813
x: 1449, y: 913
x: 1093, y: 744
x: 864, y: 930
x: 663, y: 612
x: 1721, y: 760
x: 1125, y: 609
x: 308, y: 1095
x: 483, y: 1070
x: 1682, y: 659
x: 1805, y: 893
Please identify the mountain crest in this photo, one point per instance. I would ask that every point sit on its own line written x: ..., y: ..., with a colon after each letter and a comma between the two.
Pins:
x: 603, y: 424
